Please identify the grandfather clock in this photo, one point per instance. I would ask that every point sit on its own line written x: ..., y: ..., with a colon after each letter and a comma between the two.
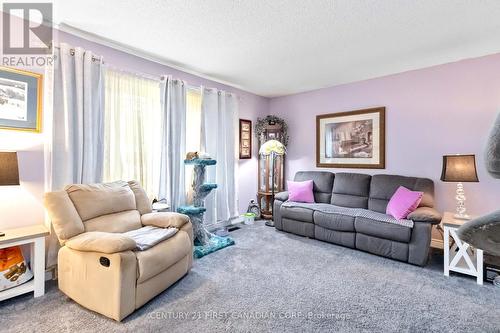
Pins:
x: 270, y: 128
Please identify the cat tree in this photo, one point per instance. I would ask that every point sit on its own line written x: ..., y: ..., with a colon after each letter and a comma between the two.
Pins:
x: 205, y: 242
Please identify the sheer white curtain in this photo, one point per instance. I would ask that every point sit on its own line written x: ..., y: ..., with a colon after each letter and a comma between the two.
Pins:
x: 193, y: 135
x: 133, y: 129
x: 74, y: 151
x: 219, y: 133
x: 173, y: 142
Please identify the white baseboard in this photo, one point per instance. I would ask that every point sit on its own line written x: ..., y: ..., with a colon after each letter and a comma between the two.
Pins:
x: 50, y: 274
x: 222, y: 224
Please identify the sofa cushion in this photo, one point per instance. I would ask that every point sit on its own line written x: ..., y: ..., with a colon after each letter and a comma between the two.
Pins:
x: 93, y: 200
x: 343, y: 238
x: 142, y: 201
x: 323, y: 183
x: 161, y: 256
x: 403, y: 202
x: 117, y: 222
x: 351, y: 190
x: 300, y: 191
x: 305, y: 229
x: 382, y: 188
x: 64, y: 217
x: 334, y: 221
x: 383, y: 230
x: 297, y: 213
x: 382, y: 247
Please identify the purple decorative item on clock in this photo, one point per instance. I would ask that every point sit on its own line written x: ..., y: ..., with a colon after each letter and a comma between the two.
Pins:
x: 403, y: 202
x: 300, y: 191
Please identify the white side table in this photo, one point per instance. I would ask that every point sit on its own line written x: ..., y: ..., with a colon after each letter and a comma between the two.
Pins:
x: 35, y: 236
x: 460, y: 257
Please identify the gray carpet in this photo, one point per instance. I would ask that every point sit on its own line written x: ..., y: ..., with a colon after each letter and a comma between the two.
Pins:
x: 274, y: 281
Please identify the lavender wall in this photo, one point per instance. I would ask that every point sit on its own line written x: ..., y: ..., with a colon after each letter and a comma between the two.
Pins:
x: 430, y: 112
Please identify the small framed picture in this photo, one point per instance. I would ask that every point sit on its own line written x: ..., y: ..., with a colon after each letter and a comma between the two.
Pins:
x: 20, y: 100
x: 245, y: 139
x: 354, y: 139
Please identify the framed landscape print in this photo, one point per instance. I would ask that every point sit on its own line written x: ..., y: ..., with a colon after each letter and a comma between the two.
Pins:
x: 20, y: 100
x: 354, y: 139
x: 245, y: 139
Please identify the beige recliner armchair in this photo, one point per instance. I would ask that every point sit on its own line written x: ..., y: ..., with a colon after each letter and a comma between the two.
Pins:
x: 98, y: 267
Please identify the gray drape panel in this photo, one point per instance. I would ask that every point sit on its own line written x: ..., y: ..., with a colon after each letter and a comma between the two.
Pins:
x: 172, y: 175
x: 218, y: 138
x: 77, y: 126
x: 74, y: 124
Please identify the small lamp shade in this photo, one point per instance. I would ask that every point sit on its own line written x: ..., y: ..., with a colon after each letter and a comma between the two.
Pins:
x: 9, y: 172
x: 459, y: 168
x: 272, y: 146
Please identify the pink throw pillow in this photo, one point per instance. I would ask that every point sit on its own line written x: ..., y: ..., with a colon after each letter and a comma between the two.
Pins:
x: 300, y: 191
x: 403, y: 202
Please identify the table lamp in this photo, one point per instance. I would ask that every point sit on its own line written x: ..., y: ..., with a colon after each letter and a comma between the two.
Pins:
x: 9, y: 172
x: 273, y: 148
x: 458, y: 169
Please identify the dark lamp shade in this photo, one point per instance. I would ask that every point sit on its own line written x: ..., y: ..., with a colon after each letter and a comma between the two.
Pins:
x: 459, y: 168
x: 9, y: 172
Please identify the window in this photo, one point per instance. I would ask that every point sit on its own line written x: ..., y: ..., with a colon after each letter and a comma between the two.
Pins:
x: 193, y: 132
x: 193, y: 119
x: 132, y: 129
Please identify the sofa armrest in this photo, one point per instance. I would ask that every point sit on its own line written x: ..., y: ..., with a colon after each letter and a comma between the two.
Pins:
x: 425, y: 214
x: 281, y: 196
x: 165, y: 220
x: 103, y: 242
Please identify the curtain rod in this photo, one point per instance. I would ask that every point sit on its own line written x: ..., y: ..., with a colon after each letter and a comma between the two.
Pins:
x: 72, y: 52
x: 147, y: 76
x: 139, y: 74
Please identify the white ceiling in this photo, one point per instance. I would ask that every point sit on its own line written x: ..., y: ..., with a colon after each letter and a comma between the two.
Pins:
x: 280, y: 47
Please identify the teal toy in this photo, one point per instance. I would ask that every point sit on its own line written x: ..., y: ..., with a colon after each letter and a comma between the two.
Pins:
x: 205, y: 242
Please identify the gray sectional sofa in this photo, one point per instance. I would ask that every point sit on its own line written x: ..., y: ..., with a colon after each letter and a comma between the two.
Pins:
x: 367, y: 192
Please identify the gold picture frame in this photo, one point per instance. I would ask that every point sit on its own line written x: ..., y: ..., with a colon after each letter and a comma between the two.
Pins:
x: 21, y: 100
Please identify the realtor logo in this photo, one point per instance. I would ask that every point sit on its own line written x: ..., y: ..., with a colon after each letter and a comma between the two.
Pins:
x: 27, y: 28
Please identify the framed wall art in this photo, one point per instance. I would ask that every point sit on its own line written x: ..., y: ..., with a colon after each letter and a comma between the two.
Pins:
x: 20, y: 100
x: 245, y: 139
x: 354, y: 139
